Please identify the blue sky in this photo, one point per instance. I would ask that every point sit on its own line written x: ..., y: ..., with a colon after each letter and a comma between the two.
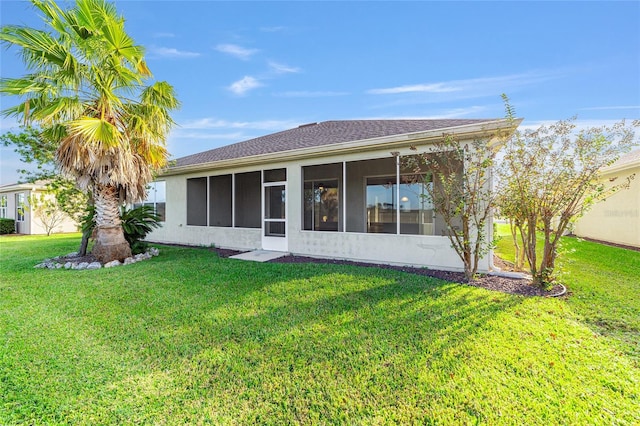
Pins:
x: 245, y: 69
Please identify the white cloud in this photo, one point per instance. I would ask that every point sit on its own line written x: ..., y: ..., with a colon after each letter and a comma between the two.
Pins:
x: 273, y: 29
x: 234, y: 136
x: 164, y: 35
x: 580, y: 124
x: 283, y: 69
x: 237, y: 51
x: 170, y: 52
x: 245, y: 84
x: 429, y: 88
x: 216, y: 123
x: 458, y: 113
x: 473, y: 87
x: 309, y: 94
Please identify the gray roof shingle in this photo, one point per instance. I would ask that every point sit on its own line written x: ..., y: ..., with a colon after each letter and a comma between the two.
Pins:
x: 320, y: 134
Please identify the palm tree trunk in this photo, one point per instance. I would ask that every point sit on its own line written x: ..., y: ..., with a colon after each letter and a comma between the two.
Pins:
x: 84, y: 244
x: 110, y: 243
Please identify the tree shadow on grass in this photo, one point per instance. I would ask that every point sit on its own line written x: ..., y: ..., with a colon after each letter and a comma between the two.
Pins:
x: 325, y: 343
x: 289, y: 343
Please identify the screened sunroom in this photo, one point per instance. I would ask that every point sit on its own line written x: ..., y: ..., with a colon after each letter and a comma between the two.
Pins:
x: 334, y: 189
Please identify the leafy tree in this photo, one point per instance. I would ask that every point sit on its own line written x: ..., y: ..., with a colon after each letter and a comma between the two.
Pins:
x: 34, y: 148
x: 458, y: 177
x: 550, y: 176
x: 46, y: 210
x: 87, y: 90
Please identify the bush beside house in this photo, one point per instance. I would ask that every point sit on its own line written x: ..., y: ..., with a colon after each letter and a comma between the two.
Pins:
x: 7, y: 226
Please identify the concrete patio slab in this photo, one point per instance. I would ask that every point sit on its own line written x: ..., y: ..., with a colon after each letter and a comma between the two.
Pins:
x: 259, y: 255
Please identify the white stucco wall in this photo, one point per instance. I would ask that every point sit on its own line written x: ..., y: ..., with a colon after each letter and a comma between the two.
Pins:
x: 617, y: 219
x: 416, y: 250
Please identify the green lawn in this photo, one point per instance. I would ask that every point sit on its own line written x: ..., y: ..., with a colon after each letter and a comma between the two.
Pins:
x: 188, y: 338
x: 603, y: 284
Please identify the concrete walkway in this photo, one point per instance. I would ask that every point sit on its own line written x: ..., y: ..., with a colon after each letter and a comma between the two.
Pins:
x: 259, y: 255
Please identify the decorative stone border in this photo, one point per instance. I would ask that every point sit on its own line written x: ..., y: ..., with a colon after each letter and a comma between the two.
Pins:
x: 562, y: 291
x: 64, y: 262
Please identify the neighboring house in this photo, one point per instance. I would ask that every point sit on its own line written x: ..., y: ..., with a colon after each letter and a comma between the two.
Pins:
x: 14, y: 204
x: 332, y: 189
x: 617, y: 219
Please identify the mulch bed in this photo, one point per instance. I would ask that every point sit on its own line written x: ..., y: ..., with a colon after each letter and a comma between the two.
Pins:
x: 491, y: 282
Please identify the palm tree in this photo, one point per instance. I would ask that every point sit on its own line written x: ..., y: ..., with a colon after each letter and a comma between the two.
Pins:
x: 86, y: 87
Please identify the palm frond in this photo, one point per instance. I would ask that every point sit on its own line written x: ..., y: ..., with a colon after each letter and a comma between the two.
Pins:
x: 86, y: 88
x: 95, y: 131
x: 161, y: 94
x: 23, y: 86
x: 40, y: 49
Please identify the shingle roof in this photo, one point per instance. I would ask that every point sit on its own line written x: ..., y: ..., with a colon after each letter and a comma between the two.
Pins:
x: 320, y: 134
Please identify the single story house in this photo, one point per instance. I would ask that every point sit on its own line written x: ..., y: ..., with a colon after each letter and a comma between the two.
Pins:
x: 15, y: 204
x: 332, y: 189
x: 617, y: 219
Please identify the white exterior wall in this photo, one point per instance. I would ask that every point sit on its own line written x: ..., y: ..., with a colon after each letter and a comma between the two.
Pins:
x: 617, y: 219
x: 416, y: 250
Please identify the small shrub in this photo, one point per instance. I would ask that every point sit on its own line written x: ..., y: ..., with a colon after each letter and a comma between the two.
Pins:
x: 7, y: 226
x: 137, y: 223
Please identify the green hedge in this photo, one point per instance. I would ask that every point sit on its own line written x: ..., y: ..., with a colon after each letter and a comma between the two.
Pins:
x: 7, y: 226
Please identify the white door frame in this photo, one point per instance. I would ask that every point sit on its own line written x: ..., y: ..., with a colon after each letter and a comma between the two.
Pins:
x: 275, y: 243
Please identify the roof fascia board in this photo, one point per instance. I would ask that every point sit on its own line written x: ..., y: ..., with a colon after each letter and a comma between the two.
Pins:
x: 621, y: 168
x: 20, y: 187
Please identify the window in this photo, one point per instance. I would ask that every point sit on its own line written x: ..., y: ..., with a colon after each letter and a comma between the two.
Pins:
x: 389, y: 197
x: 321, y: 205
x: 248, y: 203
x: 20, y: 206
x: 321, y: 197
x: 3, y: 206
x: 381, y: 204
x: 156, y: 198
x: 416, y: 209
x: 220, y: 200
x: 211, y: 201
x: 197, y: 201
x: 364, y: 180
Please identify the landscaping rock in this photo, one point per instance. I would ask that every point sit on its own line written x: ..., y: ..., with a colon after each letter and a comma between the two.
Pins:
x: 142, y: 256
x: 73, y: 261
